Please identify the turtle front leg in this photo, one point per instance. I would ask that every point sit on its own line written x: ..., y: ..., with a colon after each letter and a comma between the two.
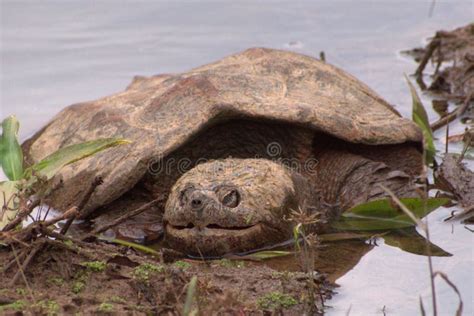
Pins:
x: 348, y: 179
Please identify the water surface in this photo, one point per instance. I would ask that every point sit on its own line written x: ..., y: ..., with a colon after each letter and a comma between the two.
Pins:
x: 57, y: 53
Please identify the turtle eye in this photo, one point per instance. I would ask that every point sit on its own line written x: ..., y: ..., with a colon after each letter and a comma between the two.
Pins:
x: 231, y: 199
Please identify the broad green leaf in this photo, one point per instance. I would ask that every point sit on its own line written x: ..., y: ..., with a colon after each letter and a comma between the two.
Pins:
x: 384, y: 208
x: 420, y: 117
x: 8, y: 199
x: 383, y: 214
x: 11, y: 158
x: 373, y: 223
x: 261, y: 255
x: 411, y: 241
x: 50, y: 165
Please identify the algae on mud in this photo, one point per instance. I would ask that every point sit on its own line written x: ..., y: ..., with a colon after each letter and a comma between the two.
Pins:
x: 135, y: 283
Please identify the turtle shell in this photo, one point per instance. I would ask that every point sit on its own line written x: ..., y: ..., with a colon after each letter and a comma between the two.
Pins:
x: 160, y: 113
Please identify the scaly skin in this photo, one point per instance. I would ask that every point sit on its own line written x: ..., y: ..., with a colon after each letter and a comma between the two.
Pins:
x: 235, y: 205
x: 230, y: 205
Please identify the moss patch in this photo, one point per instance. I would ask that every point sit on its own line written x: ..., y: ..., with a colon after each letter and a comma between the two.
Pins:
x: 226, y: 263
x: 106, y: 308
x: 95, y: 266
x: 48, y: 307
x: 19, y: 306
x: 145, y: 270
x: 276, y: 300
x: 182, y: 265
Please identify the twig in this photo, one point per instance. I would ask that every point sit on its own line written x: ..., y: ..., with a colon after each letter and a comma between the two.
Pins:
x: 24, y: 235
x: 97, y: 181
x: 21, y: 215
x: 424, y: 227
x: 452, y: 115
x: 422, y: 307
x: 430, y: 266
x: 14, y: 260
x: 62, y: 245
x: 46, y: 214
x: 20, y: 242
x: 447, y: 138
x: 461, y: 214
x: 468, y: 141
x: 429, y: 52
x: 322, y: 56
x: 59, y: 236
x: 349, y: 310
x: 451, y: 284
x: 72, y: 212
x: 432, y: 6
x: 22, y: 268
x: 124, y: 217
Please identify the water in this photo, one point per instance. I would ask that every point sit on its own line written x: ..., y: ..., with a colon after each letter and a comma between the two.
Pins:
x: 57, y: 53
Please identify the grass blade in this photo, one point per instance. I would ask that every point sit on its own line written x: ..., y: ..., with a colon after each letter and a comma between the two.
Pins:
x: 190, y: 298
x: 261, y: 255
x: 455, y: 289
x: 11, y: 158
x: 132, y: 245
x: 422, y: 308
x: 420, y: 117
x: 50, y: 165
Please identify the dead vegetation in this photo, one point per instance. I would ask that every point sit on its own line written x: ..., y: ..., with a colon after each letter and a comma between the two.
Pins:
x: 93, y: 278
x: 452, y: 55
x: 452, y: 82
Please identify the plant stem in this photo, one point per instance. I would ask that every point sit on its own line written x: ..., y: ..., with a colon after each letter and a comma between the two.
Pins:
x: 432, y: 275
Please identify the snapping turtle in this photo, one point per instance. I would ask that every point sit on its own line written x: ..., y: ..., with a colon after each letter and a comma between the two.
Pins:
x: 233, y: 146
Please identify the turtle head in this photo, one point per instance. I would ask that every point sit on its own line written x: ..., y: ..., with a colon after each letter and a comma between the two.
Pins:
x: 229, y: 205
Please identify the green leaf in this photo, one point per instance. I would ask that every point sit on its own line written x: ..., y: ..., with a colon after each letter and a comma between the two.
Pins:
x: 8, y: 189
x: 296, y: 234
x: 11, y: 158
x: 50, y: 165
x: 261, y: 255
x: 132, y: 245
x: 372, y: 224
x: 411, y: 241
x: 383, y: 214
x: 386, y: 209
x: 420, y: 117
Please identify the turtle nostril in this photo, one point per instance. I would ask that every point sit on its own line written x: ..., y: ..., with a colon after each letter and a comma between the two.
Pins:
x: 196, y: 203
